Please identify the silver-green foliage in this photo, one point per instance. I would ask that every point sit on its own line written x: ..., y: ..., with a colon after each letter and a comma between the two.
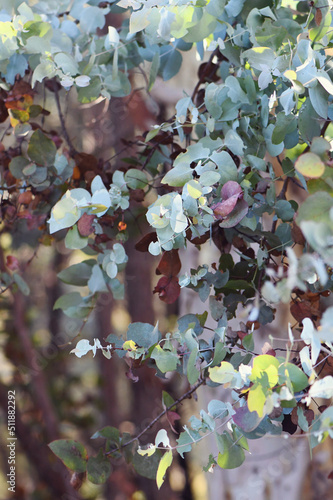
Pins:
x: 271, y: 96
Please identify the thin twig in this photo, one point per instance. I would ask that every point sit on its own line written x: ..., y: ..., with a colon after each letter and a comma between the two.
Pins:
x: 322, y: 133
x: 156, y: 419
x: 62, y: 121
x: 282, y: 193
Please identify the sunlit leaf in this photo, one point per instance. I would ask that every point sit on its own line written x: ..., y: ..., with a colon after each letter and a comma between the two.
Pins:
x: 310, y: 165
x: 164, y: 464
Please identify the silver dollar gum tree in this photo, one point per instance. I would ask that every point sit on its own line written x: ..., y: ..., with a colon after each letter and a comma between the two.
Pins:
x: 227, y: 167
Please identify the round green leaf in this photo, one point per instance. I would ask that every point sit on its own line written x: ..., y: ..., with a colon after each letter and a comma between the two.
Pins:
x: 297, y: 377
x: 233, y: 455
x: 135, y: 179
x: 41, y: 149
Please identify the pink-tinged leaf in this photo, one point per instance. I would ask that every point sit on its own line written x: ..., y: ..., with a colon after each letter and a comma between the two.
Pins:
x: 236, y: 215
x: 172, y: 417
x: 245, y: 419
x: 169, y: 264
x: 85, y: 225
x: 231, y: 188
x: 225, y: 207
x: 12, y: 263
x: 130, y: 375
x: 168, y: 289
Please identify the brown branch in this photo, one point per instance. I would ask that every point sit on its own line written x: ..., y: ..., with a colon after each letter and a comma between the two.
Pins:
x: 53, y: 474
x: 160, y: 415
x: 282, y: 193
x: 40, y: 389
x: 322, y: 132
x: 72, y: 149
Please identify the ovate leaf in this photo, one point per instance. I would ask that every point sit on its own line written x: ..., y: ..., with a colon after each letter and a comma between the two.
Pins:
x: 233, y: 455
x: 223, y: 373
x: 98, y: 468
x: 310, y: 165
x: 41, y: 149
x: 71, y: 453
x: 166, y: 360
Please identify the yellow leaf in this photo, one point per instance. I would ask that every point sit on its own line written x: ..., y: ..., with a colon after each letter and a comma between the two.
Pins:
x: 165, y: 462
x: 256, y: 399
x: 129, y: 345
x: 194, y: 189
x: 310, y: 165
x: 148, y: 451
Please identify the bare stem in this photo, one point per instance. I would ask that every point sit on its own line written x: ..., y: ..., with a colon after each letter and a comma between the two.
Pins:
x: 164, y: 412
x: 62, y: 121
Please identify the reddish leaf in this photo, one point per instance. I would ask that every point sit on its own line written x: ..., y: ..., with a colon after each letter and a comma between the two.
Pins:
x: 137, y: 195
x: 231, y: 192
x: 168, y: 289
x: 231, y: 188
x: 21, y: 88
x: 330, y: 476
x: 12, y: 263
x: 309, y: 415
x: 219, y: 239
x: 52, y: 85
x: 253, y: 324
x: 161, y: 138
x: 207, y: 72
x: 305, y: 309
x: 172, y: 416
x: 86, y: 162
x: 197, y: 240
x: 143, y: 244
x: 3, y: 112
x: 223, y: 208
x: 169, y: 264
x: 318, y: 16
x: 241, y: 334
x: 85, y: 226
x: 25, y: 198
x: 237, y: 214
x: 296, y: 232
x: 271, y: 352
x: 245, y: 419
x: 130, y: 375
x: 101, y: 238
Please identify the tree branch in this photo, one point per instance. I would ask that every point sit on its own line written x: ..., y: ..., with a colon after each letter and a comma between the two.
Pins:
x: 52, y: 474
x: 322, y: 133
x: 62, y: 121
x: 40, y: 391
